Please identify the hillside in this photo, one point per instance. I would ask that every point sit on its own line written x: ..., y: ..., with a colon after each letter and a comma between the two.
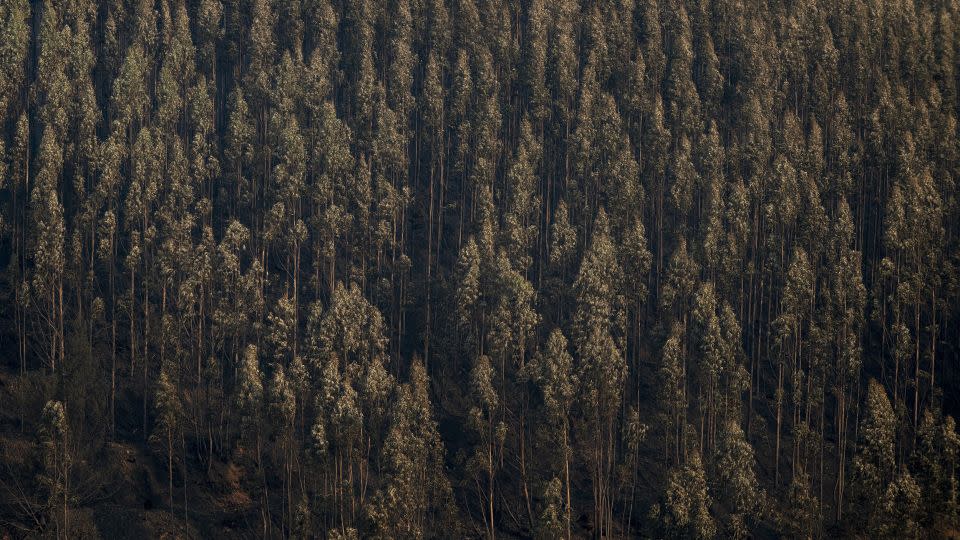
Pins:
x: 479, y: 268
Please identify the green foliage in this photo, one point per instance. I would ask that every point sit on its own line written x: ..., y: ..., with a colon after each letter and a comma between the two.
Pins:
x: 873, y: 465
x: 249, y: 396
x: 248, y: 218
x: 687, y: 501
x: 416, y: 498
x: 14, y: 36
x: 551, y: 522
x: 738, y: 488
x: 598, y: 322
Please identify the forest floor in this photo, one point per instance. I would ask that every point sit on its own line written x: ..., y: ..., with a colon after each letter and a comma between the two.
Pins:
x: 120, y: 490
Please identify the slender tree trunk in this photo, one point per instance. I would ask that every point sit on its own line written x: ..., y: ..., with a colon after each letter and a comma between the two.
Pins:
x: 490, y: 494
x: 779, y: 399
x: 170, y: 465
x: 566, y: 471
x: 916, y: 374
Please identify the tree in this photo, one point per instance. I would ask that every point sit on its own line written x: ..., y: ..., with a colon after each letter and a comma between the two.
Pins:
x: 563, y: 237
x: 798, y: 296
x: 523, y: 206
x: 913, y: 229
x: 13, y: 49
x: 513, y: 317
x: 281, y: 407
x: 249, y: 400
x: 687, y: 501
x: 738, y: 488
x: 934, y: 463
x: 401, y: 60
x: 329, y: 161
x: 802, y: 510
x: 249, y: 394
x: 672, y: 392
x: 562, y: 67
x: 598, y: 330
x: 636, y: 260
x: 320, y: 36
x: 48, y: 246
x: 128, y: 102
x: 550, y: 522
x: 416, y: 497
x: 169, y: 412
x: 873, y: 464
x: 349, y: 342
x: 238, y: 149
x: 849, y: 302
x: 900, y: 506
x: 176, y: 73
x: 209, y: 21
x: 290, y: 18
x: 262, y: 55
x: 535, y: 59
x: 681, y: 92
x: 489, y: 435
x: 288, y: 186
x: 57, y: 463
x: 468, y: 295
x: 711, y: 358
x: 552, y: 370
x: 679, y: 284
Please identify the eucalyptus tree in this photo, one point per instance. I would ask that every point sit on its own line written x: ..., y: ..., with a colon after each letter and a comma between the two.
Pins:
x: 416, y: 498
x: 169, y: 410
x: 47, y: 241
x: 912, y: 241
x: 685, y: 508
x: 287, y: 187
x: 550, y: 522
x: 433, y: 125
x: 681, y: 93
x: 790, y: 324
x: 523, y: 204
x: 281, y: 406
x: 468, y: 298
x: 488, y: 434
x: 14, y: 30
x: 57, y: 461
x: 249, y: 399
x: 177, y: 72
x: 562, y: 67
x: 672, y: 392
x: 329, y: 162
x: 849, y: 302
x: 140, y: 214
x: 18, y: 180
x: 351, y: 340
x: 552, y: 371
x: 210, y: 30
x: 874, y: 464
x: 399, y: 65
x: 738, y: 487
x: 934, y: 462
x: 238, y: 151
x: 598, y: 335
x: 901, y: 506
x: 320, y: 33
x: 534, y: 60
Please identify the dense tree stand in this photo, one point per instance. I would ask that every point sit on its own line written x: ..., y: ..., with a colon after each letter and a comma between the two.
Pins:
x: 479, y: 269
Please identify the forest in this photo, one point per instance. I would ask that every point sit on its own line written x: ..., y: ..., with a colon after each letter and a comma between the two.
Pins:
x: 545, y: 269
